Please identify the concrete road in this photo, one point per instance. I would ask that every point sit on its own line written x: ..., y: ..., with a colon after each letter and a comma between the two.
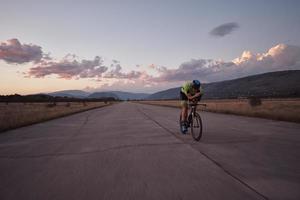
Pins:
x: 135, y: 151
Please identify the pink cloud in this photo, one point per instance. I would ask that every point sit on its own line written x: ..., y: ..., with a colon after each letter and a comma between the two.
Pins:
x: 68, y: 69
x: 279, y: 57
x: 12, y: 51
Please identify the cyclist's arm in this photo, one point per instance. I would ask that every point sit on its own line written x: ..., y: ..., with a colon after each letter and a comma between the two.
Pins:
x: 198, y: 94
x: 190, y: 97
x: 187, y: 87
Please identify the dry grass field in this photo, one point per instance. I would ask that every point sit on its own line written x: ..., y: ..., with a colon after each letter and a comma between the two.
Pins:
x: 13, y: 115
x: 277, y: 109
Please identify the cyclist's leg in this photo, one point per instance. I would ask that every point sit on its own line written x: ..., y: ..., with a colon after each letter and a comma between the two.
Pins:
x: 184, y: 111
x: 184, y: 124
x: 184, y: 106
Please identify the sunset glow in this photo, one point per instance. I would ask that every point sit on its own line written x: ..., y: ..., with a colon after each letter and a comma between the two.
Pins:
x: 142, y: 46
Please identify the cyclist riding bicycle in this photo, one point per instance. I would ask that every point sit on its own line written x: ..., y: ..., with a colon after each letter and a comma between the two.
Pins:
x: 190, y: 91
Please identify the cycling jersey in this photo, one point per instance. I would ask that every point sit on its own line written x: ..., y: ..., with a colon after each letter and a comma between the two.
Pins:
x: 187, y: 88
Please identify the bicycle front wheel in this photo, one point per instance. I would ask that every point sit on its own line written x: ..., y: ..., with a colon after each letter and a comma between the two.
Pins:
x: 196, y: 127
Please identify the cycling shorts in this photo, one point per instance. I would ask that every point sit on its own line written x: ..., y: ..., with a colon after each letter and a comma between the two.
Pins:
x: 183, y: 99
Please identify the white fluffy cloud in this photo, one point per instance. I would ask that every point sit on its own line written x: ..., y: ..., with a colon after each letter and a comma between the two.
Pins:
x: 277, y: 58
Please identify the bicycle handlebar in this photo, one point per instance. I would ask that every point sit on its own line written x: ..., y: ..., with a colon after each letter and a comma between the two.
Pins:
x: 197, y: 104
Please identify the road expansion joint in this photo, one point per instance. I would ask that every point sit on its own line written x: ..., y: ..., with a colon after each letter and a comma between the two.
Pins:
x: 205, y: 155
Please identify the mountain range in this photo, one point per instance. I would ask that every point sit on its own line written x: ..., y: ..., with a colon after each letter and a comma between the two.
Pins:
x: 115, y: 94
x: 70, y: 93
x: 272, y: 84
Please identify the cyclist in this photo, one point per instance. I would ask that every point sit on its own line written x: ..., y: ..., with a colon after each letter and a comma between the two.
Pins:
x: 190, y: 91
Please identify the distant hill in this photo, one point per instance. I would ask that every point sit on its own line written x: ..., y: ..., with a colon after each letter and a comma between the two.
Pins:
x: 129, y: 95
x: 272, y: 84
x: 103, y: 95
x: 172, y: 93
x: 70, y: 93
x: 119, y: 95
x: 115, y: 94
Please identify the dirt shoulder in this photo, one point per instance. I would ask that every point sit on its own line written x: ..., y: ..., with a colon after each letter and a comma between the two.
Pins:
x: 15, y: 115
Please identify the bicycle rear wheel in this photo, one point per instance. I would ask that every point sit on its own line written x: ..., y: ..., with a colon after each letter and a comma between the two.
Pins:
x: 196, y: 127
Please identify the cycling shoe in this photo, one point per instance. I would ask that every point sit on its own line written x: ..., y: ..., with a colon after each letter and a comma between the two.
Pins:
x: 183, y: 129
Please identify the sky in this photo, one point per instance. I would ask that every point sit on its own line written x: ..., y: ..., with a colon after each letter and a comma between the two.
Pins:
x: 142, y: 46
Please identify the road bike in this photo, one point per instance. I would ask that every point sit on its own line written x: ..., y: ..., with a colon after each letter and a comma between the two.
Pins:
x: 194, y: 120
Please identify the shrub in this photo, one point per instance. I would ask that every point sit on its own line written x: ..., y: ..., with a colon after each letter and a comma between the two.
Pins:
x: 255, y: 101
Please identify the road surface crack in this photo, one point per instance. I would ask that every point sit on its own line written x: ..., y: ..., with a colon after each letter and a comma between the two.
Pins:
x: 86, y: 119
x: 95, y: 151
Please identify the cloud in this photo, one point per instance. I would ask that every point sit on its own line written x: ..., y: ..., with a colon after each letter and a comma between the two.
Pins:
x: 157, y: 68
x: 187, y: 70
x: 224, y: 29
x: 193, y: 69
x: 12, y: 51
x: 137, y: 85
x: 278, y: 58
x: 115, y: 61
x: 117, y: 73
x: 69, y: 67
